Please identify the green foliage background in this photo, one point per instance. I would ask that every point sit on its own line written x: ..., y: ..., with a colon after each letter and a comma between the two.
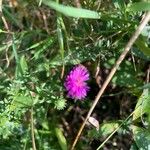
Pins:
x: 44, y: 40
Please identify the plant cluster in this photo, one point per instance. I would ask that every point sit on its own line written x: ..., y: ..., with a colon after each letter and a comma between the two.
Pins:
x: 54, y: 58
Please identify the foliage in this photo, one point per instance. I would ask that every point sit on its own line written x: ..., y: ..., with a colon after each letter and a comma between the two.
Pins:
x: 41, y: 41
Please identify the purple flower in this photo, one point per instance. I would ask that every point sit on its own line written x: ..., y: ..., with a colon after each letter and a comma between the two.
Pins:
x: 75, y: 82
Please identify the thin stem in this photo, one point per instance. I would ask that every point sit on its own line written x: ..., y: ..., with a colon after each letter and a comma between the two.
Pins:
x: 3, y: 18
x: 32, y: 130
x: 111, y: 74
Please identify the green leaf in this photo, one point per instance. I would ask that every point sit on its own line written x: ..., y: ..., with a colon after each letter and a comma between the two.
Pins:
x: 60, y: 36
x: 145, y: 86
x: 139, y: 6
x: 21, y: 100
x: 142, y: 138
x: 61, y: 138
x: 119, y: 4
x: 2, y: 31
x: 140, y: 54
x: 72, y: 11
x: 104, y: 130
x: 143, y: 104
x: 14, y: 20
x: 48, y: 41
x: 42, y: 46
x: 23, y: 64
x: 142, y: 46
x: 108, y: 128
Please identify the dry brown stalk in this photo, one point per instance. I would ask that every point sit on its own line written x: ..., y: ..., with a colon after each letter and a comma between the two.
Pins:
x: 3, y: 18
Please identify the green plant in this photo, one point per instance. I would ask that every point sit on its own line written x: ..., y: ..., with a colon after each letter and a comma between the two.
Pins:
x: 40, y: 43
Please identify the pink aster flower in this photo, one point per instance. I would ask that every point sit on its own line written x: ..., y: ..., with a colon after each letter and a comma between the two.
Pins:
x: 75, y: 82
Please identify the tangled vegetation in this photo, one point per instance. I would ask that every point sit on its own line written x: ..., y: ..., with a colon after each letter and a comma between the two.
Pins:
x: 41, y: 41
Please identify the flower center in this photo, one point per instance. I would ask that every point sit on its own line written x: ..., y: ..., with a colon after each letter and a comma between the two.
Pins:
x: 78, y: 81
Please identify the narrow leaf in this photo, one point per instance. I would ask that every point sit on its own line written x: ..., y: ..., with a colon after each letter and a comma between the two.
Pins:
x: 72, y: 11
x: 141, y: 44
x: 139, y: 6
x: 61, y: 139
x: 143, y: 104
x: 23, y: 64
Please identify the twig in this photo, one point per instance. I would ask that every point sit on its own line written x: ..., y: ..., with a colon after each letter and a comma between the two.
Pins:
x: 133, y: 62
x: 111, y: 74
x: 7, y: 58
x: 5, y: 23
x: 62, y: 71
x: 32, y: 130
x: 45, y: 21
x: 148, y: 74
x: 3, y: 18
